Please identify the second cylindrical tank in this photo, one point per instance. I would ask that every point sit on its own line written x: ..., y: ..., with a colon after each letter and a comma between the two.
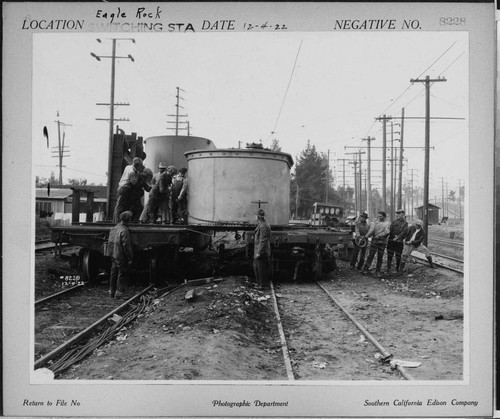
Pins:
x: 170, y: 149
x: 227, y: 185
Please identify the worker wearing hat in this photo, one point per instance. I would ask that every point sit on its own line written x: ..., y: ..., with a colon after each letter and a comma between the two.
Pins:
x: 175, y: 190
x: 158, y: 195
x: 413, y: 241
x: 182, y: 198
x: 361, y: 229
x: 262, y: 250
x: 379, y: 231
x: 129, y: 178
x: 398, y: 230
x: 137, y: 193
x: 119, y: 249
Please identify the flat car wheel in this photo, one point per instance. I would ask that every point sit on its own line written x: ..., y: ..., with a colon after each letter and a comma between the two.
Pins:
x: 90, y: 264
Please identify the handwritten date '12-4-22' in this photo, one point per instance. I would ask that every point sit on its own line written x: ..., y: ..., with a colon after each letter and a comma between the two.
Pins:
x: 266, y: 25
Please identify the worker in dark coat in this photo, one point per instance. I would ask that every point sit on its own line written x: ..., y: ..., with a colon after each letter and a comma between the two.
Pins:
x: 398, y: 230
x: 262, y: 250
x: 129, y: 178
x: 159, y: 193
x: 136, y: 194
x: 361, y: 229
x: 413, y: 241
x: 119, y: 248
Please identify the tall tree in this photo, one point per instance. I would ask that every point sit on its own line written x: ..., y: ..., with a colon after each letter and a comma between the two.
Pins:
x: 275, y: 145
x: 310, y: 178
x: 77, y: 182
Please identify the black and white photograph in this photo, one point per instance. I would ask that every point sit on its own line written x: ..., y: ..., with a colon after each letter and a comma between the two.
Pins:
x: 262, y: 209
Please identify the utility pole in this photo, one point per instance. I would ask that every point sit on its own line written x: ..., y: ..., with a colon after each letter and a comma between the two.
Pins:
x: 400, y: 190
x: 368, y: 174
x: 425, y: 208
x: 343, y: 181
x: 393, y: 195
x: 412, y: 194
x: 356, y: 203
x: 111, y: 108
x: 61, y: 150
x: 357, y: 180
x: 442, y: 197
x: 360, y: 183
x: 177, y: 114
x: 327, y: 176
x: 384, y: 120
x: 447, y: 201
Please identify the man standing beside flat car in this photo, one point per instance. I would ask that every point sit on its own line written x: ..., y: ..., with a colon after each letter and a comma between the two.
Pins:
x: 262, y: 250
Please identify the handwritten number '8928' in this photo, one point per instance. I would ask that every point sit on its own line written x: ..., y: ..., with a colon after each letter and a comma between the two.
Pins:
x: 452, y: 21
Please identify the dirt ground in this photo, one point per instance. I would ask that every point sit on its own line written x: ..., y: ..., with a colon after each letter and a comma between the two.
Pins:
x: 228, y: 331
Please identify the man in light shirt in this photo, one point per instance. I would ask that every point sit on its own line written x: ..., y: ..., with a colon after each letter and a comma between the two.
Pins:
x: 379, y: 232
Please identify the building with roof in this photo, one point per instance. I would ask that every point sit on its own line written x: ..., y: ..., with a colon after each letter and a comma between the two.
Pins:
x: 433, y: 215
x: 55, y: 205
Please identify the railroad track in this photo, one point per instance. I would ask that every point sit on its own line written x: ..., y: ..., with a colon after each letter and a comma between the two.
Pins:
x: 422, y: 260
x: 448, y: 242
x: 105, y: 310
x: 64, y: 292
x: 348, y: 336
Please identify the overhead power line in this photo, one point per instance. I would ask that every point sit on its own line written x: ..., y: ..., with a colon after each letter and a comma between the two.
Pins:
x: 286, y: 92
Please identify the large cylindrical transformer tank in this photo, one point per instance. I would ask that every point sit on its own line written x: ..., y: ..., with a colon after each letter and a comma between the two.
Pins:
x: 226, y: 185
x: 171, y: 148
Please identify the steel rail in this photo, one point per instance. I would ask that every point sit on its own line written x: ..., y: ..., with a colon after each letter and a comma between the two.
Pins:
x: 451, y: 242
x: 365, y: 332
x: 57, y: 294
x: 42, y: 361
x: 284, y: 346
x: 425, y: 262
x: 77, y: 354
x: 447, y: 257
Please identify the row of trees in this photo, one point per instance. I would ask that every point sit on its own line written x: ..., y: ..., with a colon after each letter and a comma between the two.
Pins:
x: 41, y: 182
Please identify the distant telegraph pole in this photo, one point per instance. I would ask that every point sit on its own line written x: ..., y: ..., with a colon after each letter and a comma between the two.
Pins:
x: 61, y: 150
x: 400, y: 190
x: 369, y: 178
x: 178, y: 115
x: 384, y: 120
x: 327, y: 175
x: 425, y: 207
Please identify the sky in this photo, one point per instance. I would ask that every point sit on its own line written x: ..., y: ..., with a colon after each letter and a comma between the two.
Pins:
x: 327, y: 88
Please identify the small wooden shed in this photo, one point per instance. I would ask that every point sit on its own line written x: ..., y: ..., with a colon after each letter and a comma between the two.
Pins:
x: 433, y: 214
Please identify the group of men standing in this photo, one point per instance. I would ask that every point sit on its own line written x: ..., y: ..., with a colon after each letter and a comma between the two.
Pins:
x: 167, y: 193
x: 167, y: 196
x: 399, y: 240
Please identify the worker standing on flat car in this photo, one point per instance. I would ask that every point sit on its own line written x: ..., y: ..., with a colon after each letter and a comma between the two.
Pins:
x: 361, y: 229
x: 399, y: 228
x: 129, y: 178
x: 137, y: 193
x: 175, y: 190
x: 379, y: 231
x: 262, y: 250
x: 159, y: 193
x: 119, y: 248
x: 182, y: 199
x: 413, y: 241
